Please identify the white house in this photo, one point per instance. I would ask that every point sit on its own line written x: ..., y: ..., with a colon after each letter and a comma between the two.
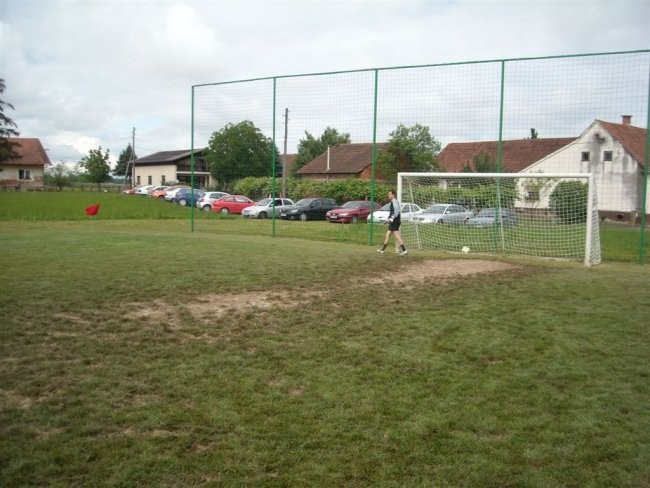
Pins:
x: 168, y: 167
x: 613, y: 153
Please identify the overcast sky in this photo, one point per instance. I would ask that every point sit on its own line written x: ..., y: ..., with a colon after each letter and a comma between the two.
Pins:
x: 83, y: 73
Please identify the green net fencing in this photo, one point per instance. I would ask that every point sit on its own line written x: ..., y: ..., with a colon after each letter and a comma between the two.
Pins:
x: 345, y: 136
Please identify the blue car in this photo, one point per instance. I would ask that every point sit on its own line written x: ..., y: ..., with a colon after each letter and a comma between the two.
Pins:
x: 184, y: 197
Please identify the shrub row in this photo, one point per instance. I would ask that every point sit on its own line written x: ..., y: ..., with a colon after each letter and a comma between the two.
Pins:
x: 297, y: 188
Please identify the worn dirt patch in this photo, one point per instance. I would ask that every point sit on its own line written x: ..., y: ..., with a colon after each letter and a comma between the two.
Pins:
x: 218, y: 305
x: 442, y: 269
x: 210, y: 307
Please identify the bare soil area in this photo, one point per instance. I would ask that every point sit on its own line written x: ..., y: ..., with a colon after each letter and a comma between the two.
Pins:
x: 210, y: 307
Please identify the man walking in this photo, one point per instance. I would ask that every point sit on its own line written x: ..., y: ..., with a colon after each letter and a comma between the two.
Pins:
x: 394, y: 222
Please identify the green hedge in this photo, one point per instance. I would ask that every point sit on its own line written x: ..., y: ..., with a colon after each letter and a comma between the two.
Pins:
x: 297, y: 188
x: 569, y: 202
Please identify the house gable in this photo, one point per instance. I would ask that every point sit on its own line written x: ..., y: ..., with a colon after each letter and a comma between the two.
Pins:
x: 633, y: 139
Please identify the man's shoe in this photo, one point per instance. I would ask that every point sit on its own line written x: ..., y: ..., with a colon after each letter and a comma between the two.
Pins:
x: 403, y: 253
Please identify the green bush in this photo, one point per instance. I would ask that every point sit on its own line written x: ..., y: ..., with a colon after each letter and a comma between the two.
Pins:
x: 297, y: 188
x: 473, y: 196
x: 569, y: 202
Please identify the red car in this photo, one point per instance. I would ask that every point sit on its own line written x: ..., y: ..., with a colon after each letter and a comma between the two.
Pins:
x: 353, y: 211
x: 232, y: 204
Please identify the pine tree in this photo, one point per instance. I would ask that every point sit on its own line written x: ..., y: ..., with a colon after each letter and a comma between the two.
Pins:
x: 7, y: 147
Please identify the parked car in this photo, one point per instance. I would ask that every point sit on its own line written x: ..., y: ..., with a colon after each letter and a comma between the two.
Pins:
x: 206, y: 201
x: 309, y: 209
x: 185, y: 197
x: 157, y: 189
x: 143, y: 190
x: 407, y: 212
x: 488, y: 217
x: 266, y: 207
x: 129, y: 191
x: 232, y: 204
x: 352, y: 211
x: 160, y: 191
x: 444, y: 213
x: 170, y: 192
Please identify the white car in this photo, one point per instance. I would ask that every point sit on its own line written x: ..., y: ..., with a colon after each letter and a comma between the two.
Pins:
x: 444, y: 213
x: 407, y: 212
x: 206, y: 201
x: 264, y: 208
x: 144, y: 190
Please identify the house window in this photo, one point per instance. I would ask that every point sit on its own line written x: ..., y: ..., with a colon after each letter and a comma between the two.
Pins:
x: 584, y: 157
x: 162, y: 180
x: 532, y: 195
x: 138, y: 180
x: 608, y: 156
x: 24, y: 174
x: 149, y: 180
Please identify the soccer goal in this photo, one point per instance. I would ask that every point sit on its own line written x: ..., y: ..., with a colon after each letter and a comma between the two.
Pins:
x: 536, y: 214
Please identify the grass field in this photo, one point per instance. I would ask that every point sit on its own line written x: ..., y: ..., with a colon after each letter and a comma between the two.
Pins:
x: 133, y: 352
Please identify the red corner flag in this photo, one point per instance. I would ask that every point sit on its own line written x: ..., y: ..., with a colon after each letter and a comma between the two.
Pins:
x: 92, y: 210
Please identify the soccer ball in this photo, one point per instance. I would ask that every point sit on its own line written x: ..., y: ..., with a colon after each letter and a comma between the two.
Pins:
x: 465, y: 249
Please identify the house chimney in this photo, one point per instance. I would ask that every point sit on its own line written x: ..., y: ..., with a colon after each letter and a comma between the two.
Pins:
x: 627, y: 119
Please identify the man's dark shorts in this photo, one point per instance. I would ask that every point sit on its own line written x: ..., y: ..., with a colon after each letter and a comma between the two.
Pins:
x: 394, y: 225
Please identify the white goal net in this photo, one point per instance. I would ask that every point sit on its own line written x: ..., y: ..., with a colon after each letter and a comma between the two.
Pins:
x: 536, y: 214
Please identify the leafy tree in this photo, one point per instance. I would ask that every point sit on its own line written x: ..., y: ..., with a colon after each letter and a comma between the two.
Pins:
x: 58, y: 176
x: 408, y: 149
x: 7, y: 130
x: 97, y: 166
x: 485, y: 163
x: 237, y: 151
x: 482, y: 162
x: 123, y: 160
x: 310, y: 147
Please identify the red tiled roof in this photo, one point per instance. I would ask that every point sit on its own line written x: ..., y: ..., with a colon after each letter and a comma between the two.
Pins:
x: 31, y: 152
x: 515, y: 155
x: 344, y: 158
x: 632, y: 138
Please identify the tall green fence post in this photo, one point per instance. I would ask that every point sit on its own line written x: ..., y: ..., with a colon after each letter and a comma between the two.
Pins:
x: 498, y: 229
x: 644, y: 193
x: 374, y: 158
x: 273, y: 151
x: 192, y: 164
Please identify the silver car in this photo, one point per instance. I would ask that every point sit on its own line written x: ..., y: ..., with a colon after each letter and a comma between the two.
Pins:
x: 206, y: 201
x: 444, y: 213
x: 488, y: 217
x: 408, y: 213
x: 264, y: 208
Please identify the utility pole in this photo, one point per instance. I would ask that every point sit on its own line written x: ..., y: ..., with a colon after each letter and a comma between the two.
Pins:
x: 132, y: 157
x: 284, y: 156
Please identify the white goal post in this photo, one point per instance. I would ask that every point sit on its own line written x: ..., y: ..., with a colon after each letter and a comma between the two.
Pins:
x: 550, y: 215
